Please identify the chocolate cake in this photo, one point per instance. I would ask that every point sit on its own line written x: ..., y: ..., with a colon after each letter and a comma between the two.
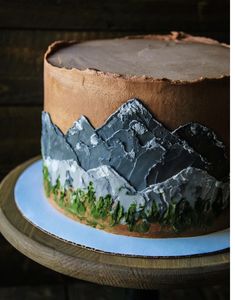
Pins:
x: 135, y: 134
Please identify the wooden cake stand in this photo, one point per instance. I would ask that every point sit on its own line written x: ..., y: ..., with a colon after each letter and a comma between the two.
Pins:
x: 114, y: 270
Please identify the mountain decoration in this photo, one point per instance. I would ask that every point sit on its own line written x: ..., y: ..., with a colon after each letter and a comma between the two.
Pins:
x: 136, y: 146
x: 204, y: 141
x: 134, y: 161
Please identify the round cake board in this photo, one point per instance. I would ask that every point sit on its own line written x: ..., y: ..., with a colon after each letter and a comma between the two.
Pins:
x: 35, y: 207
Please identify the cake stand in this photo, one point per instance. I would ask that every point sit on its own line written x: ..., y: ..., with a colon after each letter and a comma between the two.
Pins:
x: 98, y: 267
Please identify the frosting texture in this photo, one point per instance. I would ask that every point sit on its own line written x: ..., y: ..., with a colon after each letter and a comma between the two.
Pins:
x: 96, y: 93
x: 171, y: 59
x: 135, y: 160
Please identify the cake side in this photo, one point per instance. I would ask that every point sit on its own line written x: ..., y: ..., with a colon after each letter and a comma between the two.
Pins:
x: 133, y: 176
x: 152, y: 166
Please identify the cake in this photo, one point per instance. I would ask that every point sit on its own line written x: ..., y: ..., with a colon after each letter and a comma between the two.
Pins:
x: 135, y: 134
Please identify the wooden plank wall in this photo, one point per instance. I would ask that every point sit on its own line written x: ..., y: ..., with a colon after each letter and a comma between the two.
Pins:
x: 27, y: 27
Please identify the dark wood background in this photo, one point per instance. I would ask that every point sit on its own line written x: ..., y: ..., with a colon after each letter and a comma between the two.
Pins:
x: 27, y: 27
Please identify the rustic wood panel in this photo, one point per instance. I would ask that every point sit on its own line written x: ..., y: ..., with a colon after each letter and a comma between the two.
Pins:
x: 203, y: 293
x: 145, y: 15
x: 21, y: 73
x: 86, y: 291
x: 11, y: 259
x: 33, y: 293
x: 23, y: 267
x: 20, y: 131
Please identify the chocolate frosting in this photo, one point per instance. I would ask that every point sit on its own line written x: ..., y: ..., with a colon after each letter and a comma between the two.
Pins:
x: 175, y: 60
x: 70, y: 93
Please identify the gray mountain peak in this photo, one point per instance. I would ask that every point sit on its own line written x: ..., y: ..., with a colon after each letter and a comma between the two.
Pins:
x: 53, y: 142
x: 131, y: 141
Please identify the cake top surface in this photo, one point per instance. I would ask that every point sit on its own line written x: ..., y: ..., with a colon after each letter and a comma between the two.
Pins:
x: 174, y: 60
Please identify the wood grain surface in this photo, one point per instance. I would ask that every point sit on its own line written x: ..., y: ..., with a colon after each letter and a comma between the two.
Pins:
x: 20, y: 131
x: 21, y: 72
x: 147, y: 15
x: 113, y: 270
x: 28, y: 27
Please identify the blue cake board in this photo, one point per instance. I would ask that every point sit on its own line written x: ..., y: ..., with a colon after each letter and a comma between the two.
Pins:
x: 34, y: 206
